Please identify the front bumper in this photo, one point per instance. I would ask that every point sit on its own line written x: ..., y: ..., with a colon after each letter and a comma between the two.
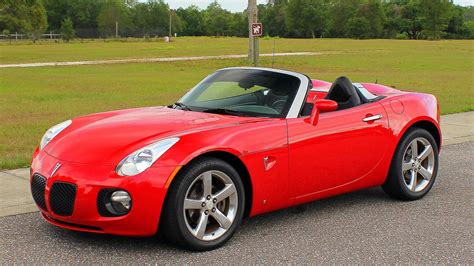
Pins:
x: 147, y: 190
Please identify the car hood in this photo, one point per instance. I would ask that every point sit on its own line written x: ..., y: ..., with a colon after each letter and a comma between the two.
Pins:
x: 108, y: 137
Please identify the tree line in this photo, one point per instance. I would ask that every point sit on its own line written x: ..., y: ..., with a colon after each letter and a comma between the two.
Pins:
x: 361, y: 19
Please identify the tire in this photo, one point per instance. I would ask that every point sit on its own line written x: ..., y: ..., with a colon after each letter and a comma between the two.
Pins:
x: 182, y: 225
x: 408, y: 176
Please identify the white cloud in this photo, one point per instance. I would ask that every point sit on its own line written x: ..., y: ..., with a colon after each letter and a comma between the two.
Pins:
x: 464, y: 2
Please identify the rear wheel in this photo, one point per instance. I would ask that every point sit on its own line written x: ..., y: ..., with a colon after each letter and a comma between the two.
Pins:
x: 414, y: 166
x: 204, y: 206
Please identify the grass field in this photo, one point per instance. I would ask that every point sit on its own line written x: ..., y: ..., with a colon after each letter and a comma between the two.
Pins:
x: 33, y: 99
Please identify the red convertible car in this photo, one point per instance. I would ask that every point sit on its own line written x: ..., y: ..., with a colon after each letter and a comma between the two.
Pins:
x: 242, y: 142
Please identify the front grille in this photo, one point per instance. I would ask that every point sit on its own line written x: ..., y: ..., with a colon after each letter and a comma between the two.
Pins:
x: 38, y: 184
x: 61, y: 198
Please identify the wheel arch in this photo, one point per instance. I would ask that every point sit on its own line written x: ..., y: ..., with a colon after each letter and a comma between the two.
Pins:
x: 238, y: 165
x: 428, y: 125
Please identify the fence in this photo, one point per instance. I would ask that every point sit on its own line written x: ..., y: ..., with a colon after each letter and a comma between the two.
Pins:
x: 18, y: 36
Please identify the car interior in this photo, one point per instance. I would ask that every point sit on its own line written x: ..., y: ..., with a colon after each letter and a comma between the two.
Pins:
x: 345, y: 94
x: 267, y: 94
x: 258, y: 94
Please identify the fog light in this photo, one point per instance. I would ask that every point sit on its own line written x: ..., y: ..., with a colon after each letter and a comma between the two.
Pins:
x: 119, y: 202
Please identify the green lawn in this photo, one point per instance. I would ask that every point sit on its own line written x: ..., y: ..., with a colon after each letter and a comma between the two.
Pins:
x: 33, y: 99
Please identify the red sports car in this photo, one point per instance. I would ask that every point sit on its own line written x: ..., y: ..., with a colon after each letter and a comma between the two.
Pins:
x: 242, y: 142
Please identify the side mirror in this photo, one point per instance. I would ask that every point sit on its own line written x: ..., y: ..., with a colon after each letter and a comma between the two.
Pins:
x: 321, y: 106
x: 324, y: 105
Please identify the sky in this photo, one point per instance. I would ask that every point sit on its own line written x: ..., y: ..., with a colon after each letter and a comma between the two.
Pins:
x: 240, y: 5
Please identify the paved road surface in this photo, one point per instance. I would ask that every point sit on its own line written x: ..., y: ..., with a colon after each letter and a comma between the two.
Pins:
x: 362, y: 227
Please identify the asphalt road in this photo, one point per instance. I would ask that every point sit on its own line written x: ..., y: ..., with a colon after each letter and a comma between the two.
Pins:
x: 361, y: 227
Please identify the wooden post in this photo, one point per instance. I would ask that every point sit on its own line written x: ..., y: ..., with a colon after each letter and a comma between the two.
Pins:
x: 116, y: 29
x: 253, y: 41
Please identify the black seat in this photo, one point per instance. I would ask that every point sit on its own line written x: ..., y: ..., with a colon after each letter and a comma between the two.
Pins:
x: 344, y: 93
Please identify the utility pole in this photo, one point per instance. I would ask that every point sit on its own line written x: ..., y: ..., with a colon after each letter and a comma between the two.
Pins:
x: 169, y: 33
x: 253, y: 40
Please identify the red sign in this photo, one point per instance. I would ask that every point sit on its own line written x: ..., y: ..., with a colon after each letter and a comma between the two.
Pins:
x: 257, y: 29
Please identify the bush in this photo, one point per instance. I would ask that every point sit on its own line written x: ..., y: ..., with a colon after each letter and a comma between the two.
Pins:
x: 67, y: 30
x: 401, y: 36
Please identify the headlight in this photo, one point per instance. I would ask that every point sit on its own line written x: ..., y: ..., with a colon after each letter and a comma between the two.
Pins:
x: 143, y: 158
x: 53, y: 132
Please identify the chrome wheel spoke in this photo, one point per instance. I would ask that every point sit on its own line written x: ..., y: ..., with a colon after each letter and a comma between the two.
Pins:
x: 425, y: 173
x: 228, y: 190
x: 207, y: 183
x: 407, y: 166
x: 414, y: 149
x: 192, y: 204
x: 425, y: 153
x: 413, y: 177
x: 201, y: 226
x: 223, y: 221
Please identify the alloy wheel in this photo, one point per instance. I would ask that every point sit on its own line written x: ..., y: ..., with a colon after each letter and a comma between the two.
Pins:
x: 418, y: 164
x: 210, y: 205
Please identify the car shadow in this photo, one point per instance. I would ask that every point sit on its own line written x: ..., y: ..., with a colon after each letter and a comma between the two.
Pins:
x: 250, y: 227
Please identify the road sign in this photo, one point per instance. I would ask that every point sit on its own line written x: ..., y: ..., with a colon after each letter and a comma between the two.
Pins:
x: 257, y: 29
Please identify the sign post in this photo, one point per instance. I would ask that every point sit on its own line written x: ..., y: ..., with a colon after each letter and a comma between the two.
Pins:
x: 255, y: 30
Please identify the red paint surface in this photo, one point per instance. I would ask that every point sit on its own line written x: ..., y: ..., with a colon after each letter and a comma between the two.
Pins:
x: 341, y: 153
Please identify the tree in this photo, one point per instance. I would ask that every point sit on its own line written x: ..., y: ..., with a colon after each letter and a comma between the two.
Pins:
x: 307, y: 21
x: 373, y: 12
x: 159, y: 17
x: 435, y: 15
x: 176, y: 23
x: 112, y: 12
x: 358, y: 27
x: 469, y: 29
x: 193, y: 21
x: 239, y: 24
x: 217, y: 20
x: 411, y: 19
x: 468, y: 22
x: 456, y: 27
x: 67, y: 30
x: 37, y: 19
x: 433, y: 19
x: 14, y: 16
x: 393, y: 24
x: 340, y: 12
x: 273, y: 17
x: 141, y: 20
x: 83, y: 14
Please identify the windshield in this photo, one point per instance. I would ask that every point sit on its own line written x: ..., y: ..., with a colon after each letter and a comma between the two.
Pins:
x: 243, y: 92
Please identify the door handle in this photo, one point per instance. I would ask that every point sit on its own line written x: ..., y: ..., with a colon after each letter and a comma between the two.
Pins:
x: 372, y: 118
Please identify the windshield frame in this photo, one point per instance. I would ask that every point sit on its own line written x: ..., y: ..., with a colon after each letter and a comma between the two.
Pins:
x: 301, y: 93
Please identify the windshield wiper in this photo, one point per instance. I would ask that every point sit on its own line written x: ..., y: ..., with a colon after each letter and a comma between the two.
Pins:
x: 181, y: 106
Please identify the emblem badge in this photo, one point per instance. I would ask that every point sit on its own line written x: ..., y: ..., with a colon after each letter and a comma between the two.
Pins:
x: 269, y: 162
x: 56, y: 167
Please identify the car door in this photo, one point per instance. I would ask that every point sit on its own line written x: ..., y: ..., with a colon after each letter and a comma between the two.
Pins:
x: 342, y: 147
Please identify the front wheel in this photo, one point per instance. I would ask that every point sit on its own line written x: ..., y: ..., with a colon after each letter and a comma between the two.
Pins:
x: 204, y: 206
x: 414, y: 166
